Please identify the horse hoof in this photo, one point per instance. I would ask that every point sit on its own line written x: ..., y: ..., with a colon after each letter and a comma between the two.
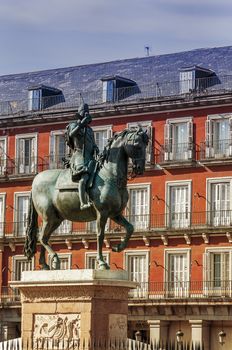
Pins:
x: 46, y: 267
x: 103, y: 266
x: 118, y: 248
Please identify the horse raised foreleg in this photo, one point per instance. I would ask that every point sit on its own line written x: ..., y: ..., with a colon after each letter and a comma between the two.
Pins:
x: 45, y: 233
x: 122, y: 221
x: 101, y: 223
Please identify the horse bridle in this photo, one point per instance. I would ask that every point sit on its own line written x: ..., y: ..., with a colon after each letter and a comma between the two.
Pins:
x: 131, y: 141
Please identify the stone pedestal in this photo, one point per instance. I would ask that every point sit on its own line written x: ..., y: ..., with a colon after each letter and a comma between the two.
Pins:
x: 158, y: 331
x: 200, y: 333
x: 74, y: 304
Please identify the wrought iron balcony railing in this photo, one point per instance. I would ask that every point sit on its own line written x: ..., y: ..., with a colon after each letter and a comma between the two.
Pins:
x: 137, y: 93
x: 183, y: 289
x: 142, y: 223
x: 176, y: 152
x: 218, y: 149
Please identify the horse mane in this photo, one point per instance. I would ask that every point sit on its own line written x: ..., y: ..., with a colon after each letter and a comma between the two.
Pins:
x: 104, y: 155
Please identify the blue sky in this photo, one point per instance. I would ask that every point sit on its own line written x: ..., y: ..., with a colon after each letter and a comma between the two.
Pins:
x: 46, y: 34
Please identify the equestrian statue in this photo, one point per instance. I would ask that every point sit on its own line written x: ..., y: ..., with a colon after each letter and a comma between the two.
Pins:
x: 91, y: 187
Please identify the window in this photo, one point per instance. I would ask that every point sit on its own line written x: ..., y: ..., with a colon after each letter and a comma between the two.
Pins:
x: 3, y: 155
x: 218, y: 136
x: 116, y: 88
x: 108, y: 91
x: 26, y: 151
x: 65, y: 261
x: 91, y: 260
x: 187, y: 82
x: 102, y: 134
x: 139, y: 206
x: 217, y: 271
x: 21, y: 212
x: 58, y: 149
x: 178, y: 204
x: 20, y: 264
x: 137, y: 264
x: 177, y: 272
x: 178, y: 134
x: 219, y: 202
x: 146, y: 126
x: 2, y: 213
x: 35, y: 100
x: 41, y: 97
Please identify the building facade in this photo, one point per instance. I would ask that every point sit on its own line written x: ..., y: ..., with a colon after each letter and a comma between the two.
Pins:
x: 181, y: 207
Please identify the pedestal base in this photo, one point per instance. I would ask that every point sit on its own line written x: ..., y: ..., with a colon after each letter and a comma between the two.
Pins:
x: 74, y: 304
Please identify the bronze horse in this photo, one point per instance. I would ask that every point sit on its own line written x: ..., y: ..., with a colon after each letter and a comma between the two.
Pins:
x: 108, y: 196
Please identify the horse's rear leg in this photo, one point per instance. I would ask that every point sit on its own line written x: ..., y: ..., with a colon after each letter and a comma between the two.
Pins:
x: 45, y: 233
x: 122, y: 221
x: 101, y: 223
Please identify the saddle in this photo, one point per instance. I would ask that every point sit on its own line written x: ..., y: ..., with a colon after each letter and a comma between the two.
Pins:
x: 65, y: 182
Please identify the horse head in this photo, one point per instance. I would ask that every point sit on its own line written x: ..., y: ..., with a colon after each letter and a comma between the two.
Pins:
x: 135, y: 148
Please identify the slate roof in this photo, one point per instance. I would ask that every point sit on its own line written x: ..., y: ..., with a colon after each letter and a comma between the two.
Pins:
x: 145, y: 70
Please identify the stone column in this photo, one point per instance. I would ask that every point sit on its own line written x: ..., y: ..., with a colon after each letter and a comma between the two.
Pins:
x: 200, y: 332
x: 158, y: 331
x: 81, y: 305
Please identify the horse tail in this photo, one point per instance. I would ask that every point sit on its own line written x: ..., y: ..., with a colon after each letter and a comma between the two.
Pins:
x: 31, y: 231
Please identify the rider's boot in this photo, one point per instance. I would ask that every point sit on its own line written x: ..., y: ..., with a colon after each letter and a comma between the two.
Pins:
x: 82, y: 194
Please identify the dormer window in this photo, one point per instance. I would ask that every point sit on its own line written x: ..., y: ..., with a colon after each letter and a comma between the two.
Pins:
x: 117, y: 88
x: 41, y: 97
x: 196, y: 78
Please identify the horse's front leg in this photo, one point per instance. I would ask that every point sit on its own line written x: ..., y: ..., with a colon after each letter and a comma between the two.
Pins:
x: 101, y: 223
x: 122, y: 221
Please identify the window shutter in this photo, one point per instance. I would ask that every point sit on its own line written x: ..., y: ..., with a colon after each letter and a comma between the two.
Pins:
x: 109, y: 133
x: 230, y: 137
x: 149, y: 150
x: 209, y: 138
x: 206, y: 273
x: 52, y: 148
x: 21, y: 156
x: 190, y: 139
x: 168, y: 141
x: 33, y: 155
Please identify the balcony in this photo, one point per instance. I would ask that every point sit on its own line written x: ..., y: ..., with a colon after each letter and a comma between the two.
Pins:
x: 28, y: 167
x: 155, y: 91
x: 173, y: 222
x: 218, y: 151
x: 174, y: 155
x: 9, y: 296
x: 213, y: 289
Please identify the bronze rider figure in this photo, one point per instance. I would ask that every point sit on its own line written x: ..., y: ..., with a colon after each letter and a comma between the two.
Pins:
x: 80, y: 138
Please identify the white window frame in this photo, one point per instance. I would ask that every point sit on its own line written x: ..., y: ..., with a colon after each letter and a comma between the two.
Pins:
x: 15, y: 211
x: 168, y: 186
x: 142, y: 290
x: 168, y: 154
x: 215, y: 180
x: 4, y: 163
x: 2, y: 224
x: 88, y: 255
x: 107, y: 128
x: 172, y: 251
x: 138, y: 186
x: 20, y: 258
x: 208, y: 288
x: 210, y: 137
x: 54, y: 133
x: 62, y: 255
x: 149, y: 125
x: 26, y: 136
